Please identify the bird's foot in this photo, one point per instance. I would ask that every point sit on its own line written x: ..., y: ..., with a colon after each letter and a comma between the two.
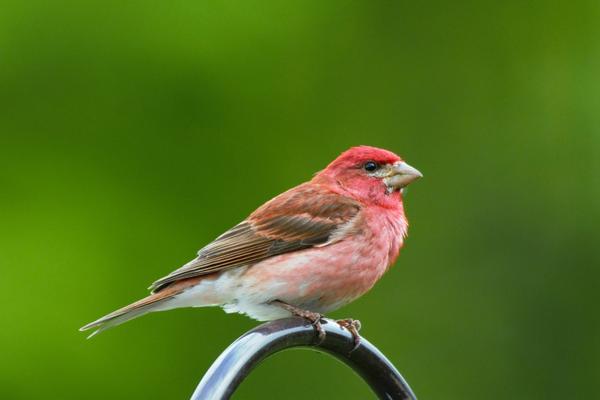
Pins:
x: 352, y: 326
x: 313, y: 317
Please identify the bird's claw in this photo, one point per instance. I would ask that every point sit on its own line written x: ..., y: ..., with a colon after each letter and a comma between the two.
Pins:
x: 315, y: 320
x: 319, y: 328
x: 352, y: 326
x: 313, y: 317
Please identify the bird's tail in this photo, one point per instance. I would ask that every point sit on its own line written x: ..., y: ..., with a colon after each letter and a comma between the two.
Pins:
x: 155, y: 302
x: 124, y: 314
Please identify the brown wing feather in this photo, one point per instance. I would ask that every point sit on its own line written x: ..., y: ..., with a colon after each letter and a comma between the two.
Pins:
x: 297, y: 219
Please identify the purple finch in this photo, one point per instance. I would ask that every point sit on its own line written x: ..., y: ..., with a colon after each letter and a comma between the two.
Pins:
x: 308, y: 251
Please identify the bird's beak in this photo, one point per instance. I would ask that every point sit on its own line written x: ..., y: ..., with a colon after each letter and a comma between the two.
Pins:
x: 400, y: 175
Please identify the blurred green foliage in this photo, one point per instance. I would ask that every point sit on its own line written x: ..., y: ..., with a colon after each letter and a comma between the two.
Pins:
x: 132, y: 133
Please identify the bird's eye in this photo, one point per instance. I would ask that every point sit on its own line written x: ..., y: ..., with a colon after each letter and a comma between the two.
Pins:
x: 370, y: 166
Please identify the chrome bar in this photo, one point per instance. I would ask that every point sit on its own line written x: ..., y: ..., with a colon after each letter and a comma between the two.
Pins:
x: 238, y: 360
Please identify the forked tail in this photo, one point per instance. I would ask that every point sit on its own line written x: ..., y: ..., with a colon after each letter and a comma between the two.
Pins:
x: 125, y: 314
x: 155, y: 302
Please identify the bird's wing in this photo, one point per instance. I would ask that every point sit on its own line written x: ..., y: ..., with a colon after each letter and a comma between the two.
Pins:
x: 306, y: 216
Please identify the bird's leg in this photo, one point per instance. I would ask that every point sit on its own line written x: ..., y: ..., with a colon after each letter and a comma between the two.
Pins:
x: 313, y: 317
x: 353, y: 326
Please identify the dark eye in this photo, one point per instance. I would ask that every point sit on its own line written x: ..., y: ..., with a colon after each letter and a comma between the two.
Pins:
x: 371, y: 166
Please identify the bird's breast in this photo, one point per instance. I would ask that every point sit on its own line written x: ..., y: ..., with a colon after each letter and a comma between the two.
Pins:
x: 325, y: 278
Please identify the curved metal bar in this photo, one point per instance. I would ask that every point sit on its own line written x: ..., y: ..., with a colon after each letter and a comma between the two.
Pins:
x: 236, y: 362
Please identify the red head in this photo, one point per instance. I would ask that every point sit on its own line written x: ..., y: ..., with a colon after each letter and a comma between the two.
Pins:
x: 369, y: 174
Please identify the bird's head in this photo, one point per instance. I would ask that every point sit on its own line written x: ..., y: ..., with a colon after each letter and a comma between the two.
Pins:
x: 370, y: 174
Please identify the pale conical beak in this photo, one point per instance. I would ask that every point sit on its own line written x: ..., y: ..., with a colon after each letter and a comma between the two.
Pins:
x: 401, y: 174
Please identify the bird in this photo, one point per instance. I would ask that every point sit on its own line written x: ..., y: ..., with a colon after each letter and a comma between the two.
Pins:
x: 305, y: 253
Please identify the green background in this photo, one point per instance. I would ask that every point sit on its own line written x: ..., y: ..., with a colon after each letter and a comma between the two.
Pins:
x: 133, y: 133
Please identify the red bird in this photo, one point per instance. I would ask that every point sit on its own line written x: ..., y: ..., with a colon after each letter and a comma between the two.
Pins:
x: 308, y: 251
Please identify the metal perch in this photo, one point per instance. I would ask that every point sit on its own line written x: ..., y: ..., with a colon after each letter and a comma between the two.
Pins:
x: 236, y: 362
